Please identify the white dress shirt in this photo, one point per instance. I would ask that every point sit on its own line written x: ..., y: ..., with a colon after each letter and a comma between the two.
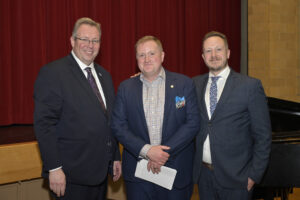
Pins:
x: 220, y: 85
x: 83, y: 66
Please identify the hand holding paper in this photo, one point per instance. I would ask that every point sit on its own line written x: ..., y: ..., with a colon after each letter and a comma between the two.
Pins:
x: 153, y: 166
x: 165, y: 178
x: 158, y: 155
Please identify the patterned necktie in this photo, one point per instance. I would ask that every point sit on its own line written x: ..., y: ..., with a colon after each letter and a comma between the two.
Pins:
x: 213, y: 94
x: 94, y: 86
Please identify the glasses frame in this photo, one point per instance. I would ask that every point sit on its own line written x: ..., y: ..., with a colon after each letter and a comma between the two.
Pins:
x: 87, y: 41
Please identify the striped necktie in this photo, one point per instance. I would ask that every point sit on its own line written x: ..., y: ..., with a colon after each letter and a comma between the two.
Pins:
x: 94, y: 86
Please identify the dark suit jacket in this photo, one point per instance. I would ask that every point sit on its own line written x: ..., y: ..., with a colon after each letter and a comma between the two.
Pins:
x: 239, y: 131
x: 70, y: 125
x: 180, y: 125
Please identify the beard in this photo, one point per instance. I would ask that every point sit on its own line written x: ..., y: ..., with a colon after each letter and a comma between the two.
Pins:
x: 218, y: 68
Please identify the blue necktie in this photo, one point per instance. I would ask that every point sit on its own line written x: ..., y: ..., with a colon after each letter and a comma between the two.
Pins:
x: 213, y: 94
x: 94, y: 86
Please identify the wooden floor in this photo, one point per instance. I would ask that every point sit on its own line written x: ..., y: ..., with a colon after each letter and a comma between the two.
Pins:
x: 116, y: 191
x: 294, y: 196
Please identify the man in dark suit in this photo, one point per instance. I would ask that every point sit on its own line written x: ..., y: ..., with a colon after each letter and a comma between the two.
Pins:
x: 233, y: 145
x: 156, y: 118
x: 73, y: 101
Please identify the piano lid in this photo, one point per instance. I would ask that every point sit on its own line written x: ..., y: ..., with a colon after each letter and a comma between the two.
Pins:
x: 283, y: 168
x: 285, y: 115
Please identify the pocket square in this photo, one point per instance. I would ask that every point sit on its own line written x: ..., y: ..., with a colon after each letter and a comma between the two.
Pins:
x: 180, y: 102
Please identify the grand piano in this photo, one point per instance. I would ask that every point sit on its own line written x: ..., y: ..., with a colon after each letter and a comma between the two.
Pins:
x: 283, y: 171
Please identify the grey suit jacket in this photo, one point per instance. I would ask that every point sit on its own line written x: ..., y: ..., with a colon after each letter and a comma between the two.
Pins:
x: 239, y: 131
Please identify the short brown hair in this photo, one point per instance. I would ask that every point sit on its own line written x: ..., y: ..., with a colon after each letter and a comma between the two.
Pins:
x: 149, y: 38
x: 88, y: 21
x: 215, y: 34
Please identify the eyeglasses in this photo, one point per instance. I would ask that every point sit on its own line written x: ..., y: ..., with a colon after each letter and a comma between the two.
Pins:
x: 87, y: 41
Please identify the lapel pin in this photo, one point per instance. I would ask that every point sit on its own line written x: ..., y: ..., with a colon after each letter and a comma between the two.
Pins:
x: 171, y: 86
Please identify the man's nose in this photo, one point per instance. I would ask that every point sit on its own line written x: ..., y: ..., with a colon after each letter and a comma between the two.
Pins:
x: 213, y: 53
x: 147, y: 58
x: 91, y: 44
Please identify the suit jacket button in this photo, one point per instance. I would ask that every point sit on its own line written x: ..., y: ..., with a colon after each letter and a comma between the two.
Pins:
x: 109, y: 144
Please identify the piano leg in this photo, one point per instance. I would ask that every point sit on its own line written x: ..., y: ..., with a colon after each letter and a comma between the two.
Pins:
x: 269, y: 193
x: 285, y: 193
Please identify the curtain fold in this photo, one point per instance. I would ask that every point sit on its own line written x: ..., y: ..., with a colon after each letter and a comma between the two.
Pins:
x: 35, y: 32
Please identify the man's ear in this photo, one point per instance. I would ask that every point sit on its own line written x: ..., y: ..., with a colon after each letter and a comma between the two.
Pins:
x: 72, y: 40
x: 228, y: 54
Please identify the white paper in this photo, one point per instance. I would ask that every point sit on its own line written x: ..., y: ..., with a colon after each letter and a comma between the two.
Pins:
x: 165, y: 178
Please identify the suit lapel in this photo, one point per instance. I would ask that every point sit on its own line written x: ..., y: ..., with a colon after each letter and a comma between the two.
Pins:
x: 140, y: 105
x: 104, y: 87
x: 202, y: 97
x: 201, y: 84
x: 229, y: 85
x: 170, y: 93
x: 75, y: 69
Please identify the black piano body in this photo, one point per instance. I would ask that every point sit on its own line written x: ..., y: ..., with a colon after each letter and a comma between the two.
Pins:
x: 283, y: 171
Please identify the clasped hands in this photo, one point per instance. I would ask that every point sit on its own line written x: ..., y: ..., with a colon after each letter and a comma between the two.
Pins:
x: 157, y: 158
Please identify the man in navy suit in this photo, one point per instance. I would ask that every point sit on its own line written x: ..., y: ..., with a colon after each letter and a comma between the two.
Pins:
x: 73, y: 101
x: 156, y: 118
x: 233, y: 145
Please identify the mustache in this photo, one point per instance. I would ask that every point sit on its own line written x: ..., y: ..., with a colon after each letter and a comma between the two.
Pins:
x: 215, y: 58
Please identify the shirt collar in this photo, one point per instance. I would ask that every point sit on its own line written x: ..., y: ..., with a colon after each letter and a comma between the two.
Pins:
x: 161, y: 76
x: 81, y: 64
x: 223, y: 74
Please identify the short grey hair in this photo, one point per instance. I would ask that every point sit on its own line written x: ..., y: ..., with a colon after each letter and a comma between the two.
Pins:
x: 88, y: 21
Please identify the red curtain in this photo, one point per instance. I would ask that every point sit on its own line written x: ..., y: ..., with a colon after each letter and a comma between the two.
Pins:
x: 35, y: 32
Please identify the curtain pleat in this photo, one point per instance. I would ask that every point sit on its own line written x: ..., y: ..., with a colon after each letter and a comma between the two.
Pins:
x: 35, y: 32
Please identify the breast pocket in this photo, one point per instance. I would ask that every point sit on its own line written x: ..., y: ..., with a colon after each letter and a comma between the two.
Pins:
x: 180, y: 114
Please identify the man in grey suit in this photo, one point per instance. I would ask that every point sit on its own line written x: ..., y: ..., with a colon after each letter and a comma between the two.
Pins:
x: 233, y: 145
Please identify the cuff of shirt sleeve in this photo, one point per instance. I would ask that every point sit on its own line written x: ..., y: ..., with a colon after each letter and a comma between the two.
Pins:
x: 145, y: 150
x: 52, y: 170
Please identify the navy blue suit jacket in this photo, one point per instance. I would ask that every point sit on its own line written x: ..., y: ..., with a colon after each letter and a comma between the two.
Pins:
x: 180, y: 125
x: 239, y: 131
x: 71, y: 127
